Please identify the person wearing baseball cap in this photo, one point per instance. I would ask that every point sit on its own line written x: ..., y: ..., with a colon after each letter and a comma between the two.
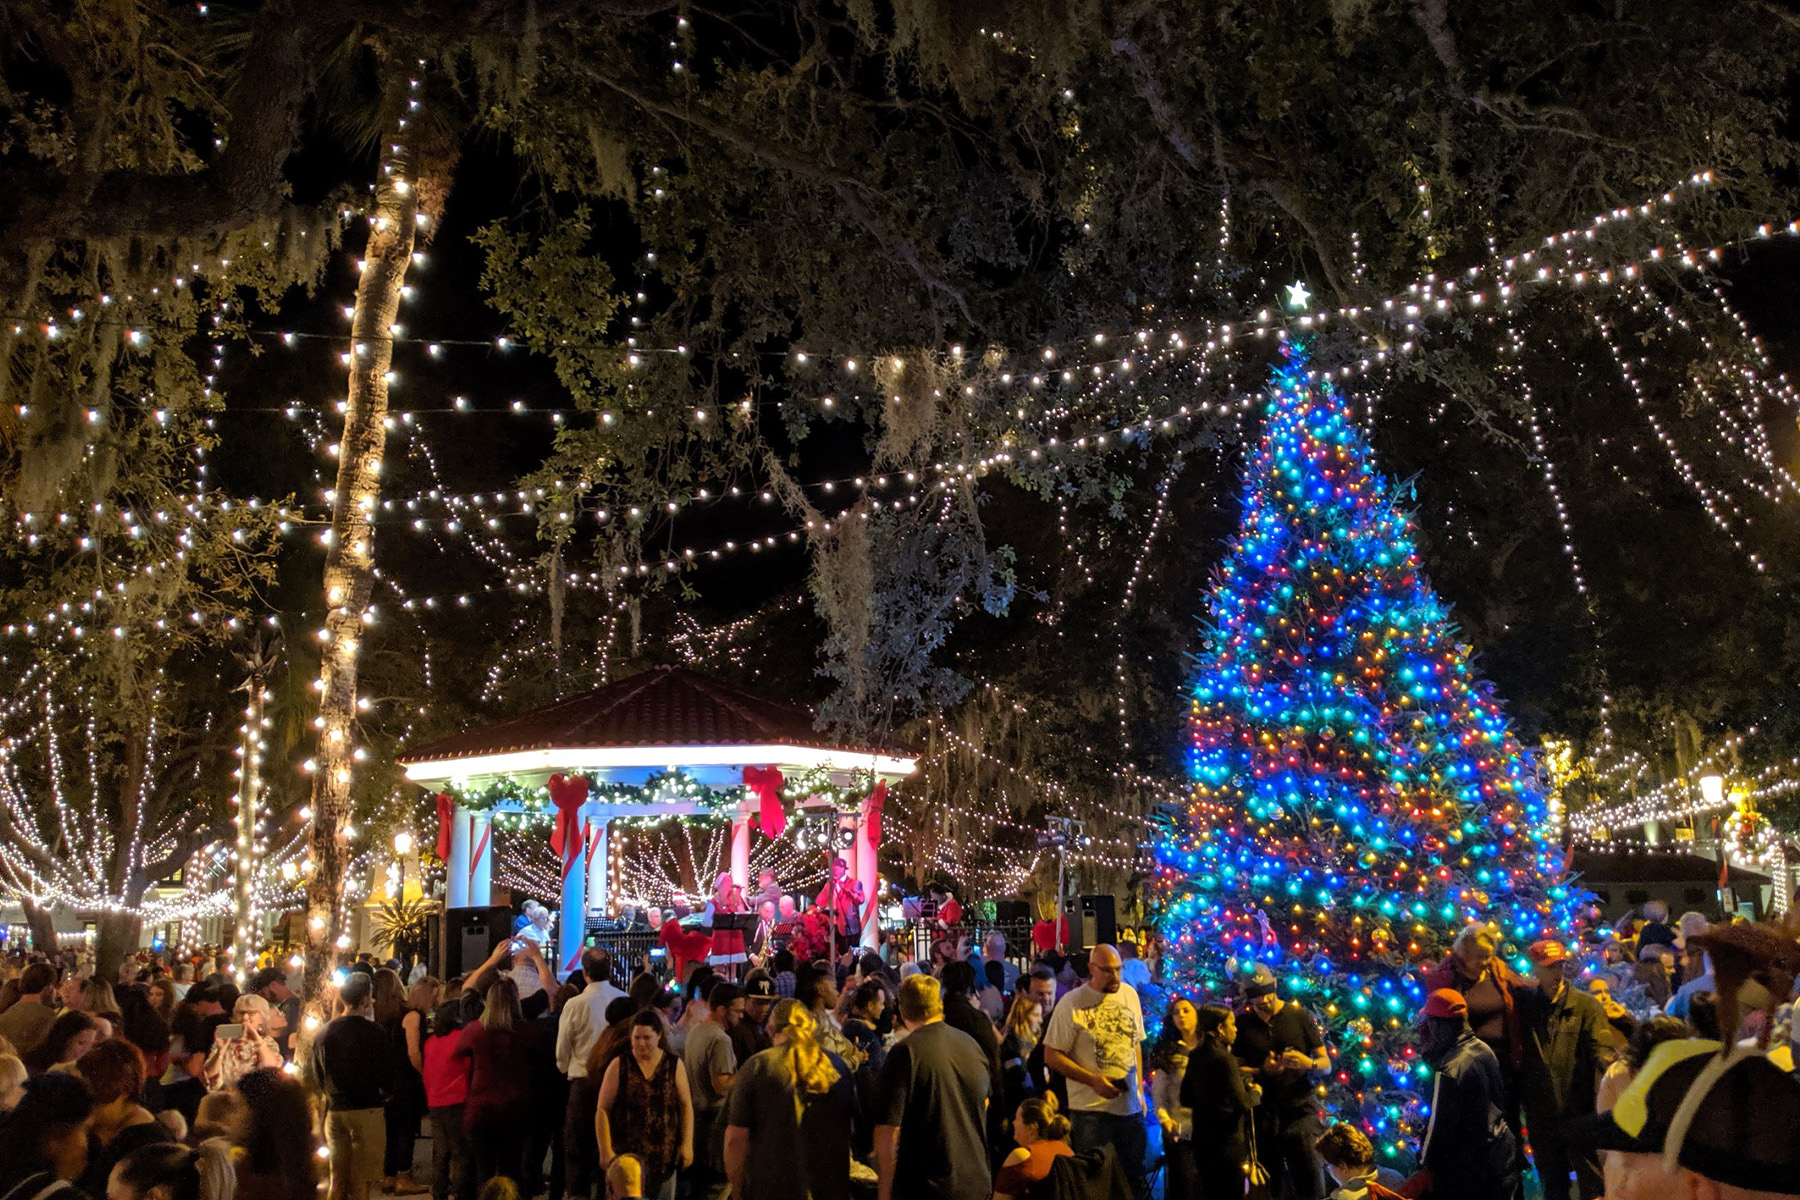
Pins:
x: 751, y: 1035
x: 1468, y: 1151
x: 1700, y: 1123
x: 1567, y: 1050
x: 1280, y: 1041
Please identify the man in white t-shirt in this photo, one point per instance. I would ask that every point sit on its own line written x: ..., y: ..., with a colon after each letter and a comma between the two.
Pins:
x: 1096, y: 1041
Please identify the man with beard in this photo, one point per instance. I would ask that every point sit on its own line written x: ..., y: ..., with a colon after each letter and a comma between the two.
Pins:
x: 1095, y: 1041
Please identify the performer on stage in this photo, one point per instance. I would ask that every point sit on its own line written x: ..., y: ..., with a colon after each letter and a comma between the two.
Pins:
x: 843, y: 897
x: 767, y: 890
x: 727, y: 944
x: 535, y: 929
x: 762, y: 942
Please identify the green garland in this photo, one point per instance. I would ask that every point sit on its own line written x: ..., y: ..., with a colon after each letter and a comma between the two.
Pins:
x: 534, y: 805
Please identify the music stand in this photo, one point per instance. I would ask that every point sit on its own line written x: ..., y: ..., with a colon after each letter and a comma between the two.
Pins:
x: 743, y: 923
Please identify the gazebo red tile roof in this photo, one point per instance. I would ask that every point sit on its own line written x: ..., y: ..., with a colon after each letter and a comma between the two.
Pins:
x: 664, y: 706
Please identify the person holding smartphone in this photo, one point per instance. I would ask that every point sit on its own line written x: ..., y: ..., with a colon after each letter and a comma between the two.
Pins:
x: 243, y: 1046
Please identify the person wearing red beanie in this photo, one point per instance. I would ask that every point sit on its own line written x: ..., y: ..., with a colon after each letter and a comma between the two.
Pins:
x: 1468, y: 1151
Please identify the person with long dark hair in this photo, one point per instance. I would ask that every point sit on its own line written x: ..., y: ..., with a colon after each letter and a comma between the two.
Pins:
x: 402, y: 1024
x: 1168, y: 1069
x: 44, y: 1140
x: 277, y: 1158
x: 611, y: 1044
x: 161, y: 997
x: 446, y: 1089
x: 1216, y: 1093
x: 70, y: 1036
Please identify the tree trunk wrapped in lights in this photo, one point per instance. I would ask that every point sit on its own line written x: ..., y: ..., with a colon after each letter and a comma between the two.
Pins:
x: 415, y: 173
x: 1358, y: 795
x: 247, y: 859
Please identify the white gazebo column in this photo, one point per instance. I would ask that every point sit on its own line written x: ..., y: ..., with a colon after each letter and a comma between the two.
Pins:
x: 480, y: 872
x: 573, y: 927
x: 456, y: 871
x: 864, y: 865
x: 740, y: 847
x: 597, y: 848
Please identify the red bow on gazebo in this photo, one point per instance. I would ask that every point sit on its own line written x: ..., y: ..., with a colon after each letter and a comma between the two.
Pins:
x: 766, y: 782
x: 872, y: 813
x: 446, y: 810
x: 568, y: 793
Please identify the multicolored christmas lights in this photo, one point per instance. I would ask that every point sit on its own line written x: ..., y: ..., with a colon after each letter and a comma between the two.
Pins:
x: 1358, y: 796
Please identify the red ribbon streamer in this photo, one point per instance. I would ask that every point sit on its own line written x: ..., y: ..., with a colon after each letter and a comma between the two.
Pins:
x: 872, y: 813
x: 446, y: 810
x: 594, y: 829
x: 766, y: 782
x: 475, y: 853
x: 568, y: 793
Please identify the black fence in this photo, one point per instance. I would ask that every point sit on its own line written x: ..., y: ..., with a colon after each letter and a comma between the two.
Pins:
x: 633, y: 951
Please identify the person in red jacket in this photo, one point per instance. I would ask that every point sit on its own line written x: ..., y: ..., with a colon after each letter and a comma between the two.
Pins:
x: 1492, y: 991
x: 684, y: 946
x: 446, y: 1088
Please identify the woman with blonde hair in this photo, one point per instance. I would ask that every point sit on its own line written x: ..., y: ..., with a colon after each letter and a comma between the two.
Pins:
x: 1475, y: 968
x: 253, y: 1049
x: 98, y: 1000
x: 790, y: 1114
x: 1021, y: 1038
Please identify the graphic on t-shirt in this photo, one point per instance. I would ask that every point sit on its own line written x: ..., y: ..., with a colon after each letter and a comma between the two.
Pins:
x: 1114, y: 1029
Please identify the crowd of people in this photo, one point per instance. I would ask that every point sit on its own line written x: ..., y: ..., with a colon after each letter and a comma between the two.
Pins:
x: 966, y: 1076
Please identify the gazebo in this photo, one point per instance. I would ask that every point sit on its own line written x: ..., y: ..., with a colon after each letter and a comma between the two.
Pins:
x: 667, y: 742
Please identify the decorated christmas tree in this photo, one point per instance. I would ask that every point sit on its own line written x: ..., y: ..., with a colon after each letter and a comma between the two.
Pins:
x: 1358, y: 796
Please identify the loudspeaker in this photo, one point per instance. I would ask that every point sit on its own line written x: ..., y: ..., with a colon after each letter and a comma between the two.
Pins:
x: 1091, y: 922
x: 470, y: 935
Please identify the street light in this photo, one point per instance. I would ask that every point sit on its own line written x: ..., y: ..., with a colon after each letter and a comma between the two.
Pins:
x: 1712, y: 790
x: 403, y: 844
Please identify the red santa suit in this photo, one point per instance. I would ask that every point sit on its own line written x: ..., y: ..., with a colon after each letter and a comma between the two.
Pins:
x: 684, y: 945
x: 727, y: 944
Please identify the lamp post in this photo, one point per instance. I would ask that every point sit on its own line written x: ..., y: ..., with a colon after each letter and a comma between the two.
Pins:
x: 1712, y: 790
x: 403, y: 844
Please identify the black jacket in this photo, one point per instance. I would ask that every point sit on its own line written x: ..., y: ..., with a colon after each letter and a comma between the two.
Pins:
x: 1468, y: 1147
x: 1096, y: 1175
x: 1214, y: 1089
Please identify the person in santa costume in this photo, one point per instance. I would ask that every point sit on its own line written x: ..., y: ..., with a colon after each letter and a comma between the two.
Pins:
x: 727, y: 944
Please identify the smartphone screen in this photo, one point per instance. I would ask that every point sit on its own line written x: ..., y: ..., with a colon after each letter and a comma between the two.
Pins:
x: 227, y: 1032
